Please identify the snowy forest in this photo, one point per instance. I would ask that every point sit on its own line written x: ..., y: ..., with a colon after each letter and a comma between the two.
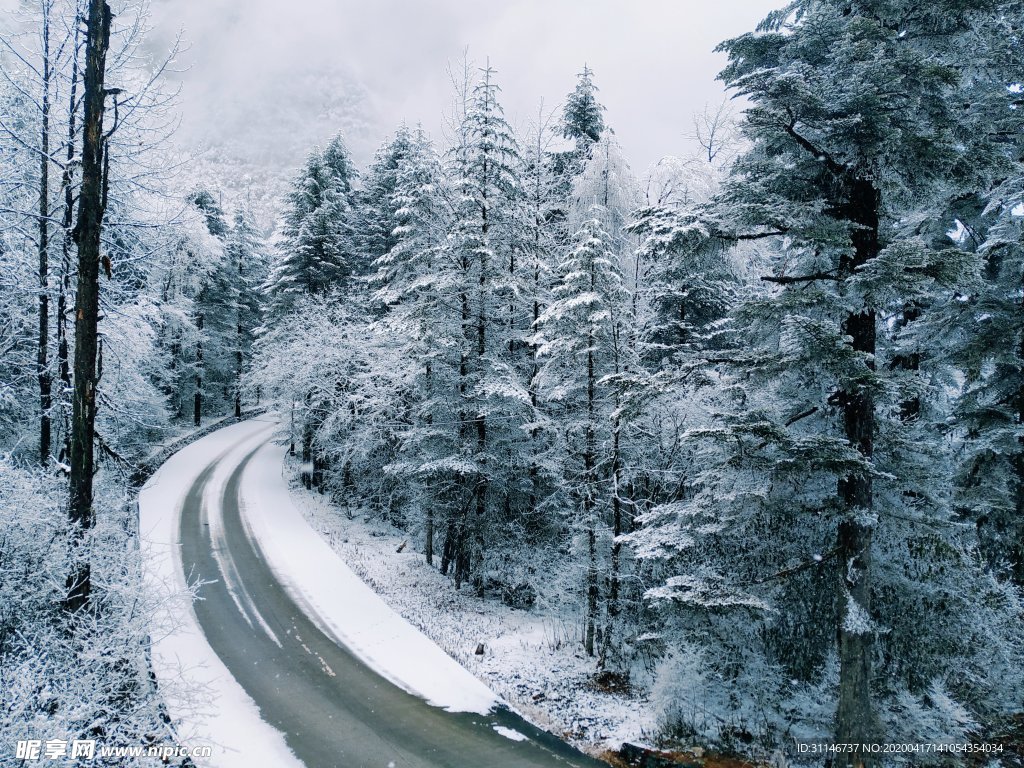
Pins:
x: 751, y: 419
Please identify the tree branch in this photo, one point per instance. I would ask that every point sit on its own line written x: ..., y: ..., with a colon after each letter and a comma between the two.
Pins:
x: 803, y: 415
x: 787, y: 280
x: 819, y: 560
x: 758, y: 235
x: 830, y: 162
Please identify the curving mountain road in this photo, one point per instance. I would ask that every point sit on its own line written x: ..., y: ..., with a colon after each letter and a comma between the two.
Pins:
x: 331, y: 707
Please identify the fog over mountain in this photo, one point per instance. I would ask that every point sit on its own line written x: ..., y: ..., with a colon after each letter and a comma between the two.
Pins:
x: 263, y: 81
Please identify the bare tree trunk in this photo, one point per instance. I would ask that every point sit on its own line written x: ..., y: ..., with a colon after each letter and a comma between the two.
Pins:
x: 63, y: 352
x: 42, y: 357
x: 87, y: 234
x: 855, y: 721
x: 452, y: 554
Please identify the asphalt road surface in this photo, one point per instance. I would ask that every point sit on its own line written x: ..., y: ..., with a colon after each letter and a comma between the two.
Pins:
x: 333, y: 709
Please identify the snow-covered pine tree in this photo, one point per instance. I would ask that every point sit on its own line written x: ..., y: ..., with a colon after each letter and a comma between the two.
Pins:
x: 583, y: 115
x: 991, y: 408
x: 678, y: 295
x: 582, y: 340
x: 485, y: 166
x: 376, y: 214
x: 542, y: 221
x: 604, y: 188
x: 604, y: 185
x: 809, y: 528
x: 317, y: 252
x: 207, y: 204
x: 979, y: 330
x: 582, y: 123
x: 213, y: 359
x: 245, y: 257
x: 419, y: 284
x: 192, y: 260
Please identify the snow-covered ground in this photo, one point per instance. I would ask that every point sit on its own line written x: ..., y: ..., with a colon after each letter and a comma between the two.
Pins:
x: 532, y: 659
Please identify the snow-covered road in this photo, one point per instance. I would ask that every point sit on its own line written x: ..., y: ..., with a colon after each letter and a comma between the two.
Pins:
x: 287, y: 658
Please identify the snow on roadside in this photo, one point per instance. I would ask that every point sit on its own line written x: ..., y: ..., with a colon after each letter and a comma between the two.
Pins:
x: 206, y: 702
x: 532, y: 658
x: 342, y: 605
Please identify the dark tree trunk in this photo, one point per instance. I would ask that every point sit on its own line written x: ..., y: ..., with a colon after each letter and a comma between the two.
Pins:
x: 87, y: 235
x: 197, y: 400
x: 616, y: 560
x: 307, y: 444
x: 291, y: 431
x: 534, y: 373
x: 238, y: 388
x: 512, y: 303
x: 910, y: 408
x: 319, y: 469
x: 538, y: 225
x: 42, y: 356
x: 428, y: 535
x: 239, y: 336
x: 452, y: 554
x: 590, y: 490
x: 593, y: 595
x: 446, y: 550
x: 480, y: 419
x: 856, y: 721
x: 1017, y: 546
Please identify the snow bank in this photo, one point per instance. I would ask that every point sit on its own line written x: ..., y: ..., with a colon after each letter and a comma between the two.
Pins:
x: 207, y: 703
x: 341, y: 604
x: 533, y: 659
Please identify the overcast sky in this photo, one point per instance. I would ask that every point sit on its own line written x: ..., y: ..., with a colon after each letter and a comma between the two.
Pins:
x: 269, y: 77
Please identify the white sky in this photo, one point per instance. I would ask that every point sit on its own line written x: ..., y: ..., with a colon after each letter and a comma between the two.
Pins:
x: 270, y: 77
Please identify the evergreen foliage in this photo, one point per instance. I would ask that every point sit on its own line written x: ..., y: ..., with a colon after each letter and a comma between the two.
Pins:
x: 316, y: 253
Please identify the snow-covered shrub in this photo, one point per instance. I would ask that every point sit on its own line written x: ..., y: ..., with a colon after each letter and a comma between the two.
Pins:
x: 72, y: 677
